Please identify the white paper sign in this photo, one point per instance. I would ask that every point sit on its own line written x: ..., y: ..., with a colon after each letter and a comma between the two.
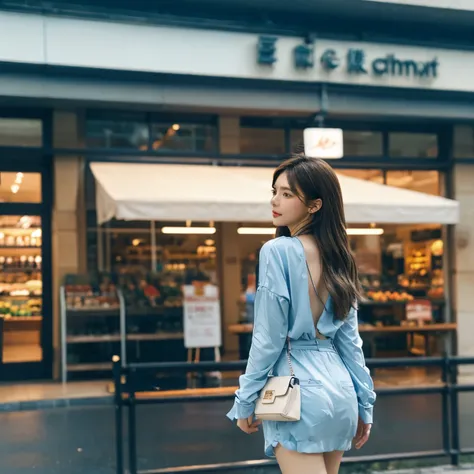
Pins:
x: 324, y: 143
x: 202, y: 316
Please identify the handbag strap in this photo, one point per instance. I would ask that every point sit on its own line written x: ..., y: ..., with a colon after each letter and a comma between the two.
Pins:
x: 288, y: 358
x: 288, y: 355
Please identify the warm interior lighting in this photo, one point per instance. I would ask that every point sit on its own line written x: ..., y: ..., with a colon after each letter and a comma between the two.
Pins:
x: 272, y: 230
x: 176, y: 127
x: 256, y: 230
x: 368, y: 231
x: 188, y: 230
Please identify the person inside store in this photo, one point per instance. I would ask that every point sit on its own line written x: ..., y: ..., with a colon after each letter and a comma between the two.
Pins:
x: 306, y: 380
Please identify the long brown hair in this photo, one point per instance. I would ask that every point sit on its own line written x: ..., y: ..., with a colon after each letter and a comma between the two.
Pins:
x: 311, y: 179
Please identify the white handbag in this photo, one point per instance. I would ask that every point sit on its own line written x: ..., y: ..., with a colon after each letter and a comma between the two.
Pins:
x: 280, y: 399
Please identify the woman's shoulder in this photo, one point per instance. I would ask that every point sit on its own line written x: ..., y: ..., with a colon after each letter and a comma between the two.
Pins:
x: 278, y: 245
x: 279, y: 253
x: 275, y: 265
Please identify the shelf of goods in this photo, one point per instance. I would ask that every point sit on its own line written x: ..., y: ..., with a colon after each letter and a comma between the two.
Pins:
x: 100, y: 320
x: 21, y: 290
x: 92, y: 322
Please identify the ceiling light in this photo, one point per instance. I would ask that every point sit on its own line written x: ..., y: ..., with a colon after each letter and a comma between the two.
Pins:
x: 188, y: 230
x: 176, y: 127
x: 368, y: 231
x: 15, y: 188
x: 256, y: 230
x: 272, y: 230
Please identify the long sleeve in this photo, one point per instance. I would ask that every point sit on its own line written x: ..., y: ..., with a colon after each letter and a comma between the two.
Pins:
x: 349, y: 346
x: 268, y: 339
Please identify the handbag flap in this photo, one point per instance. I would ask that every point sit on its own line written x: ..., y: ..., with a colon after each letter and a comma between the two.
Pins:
x: 275, y: 387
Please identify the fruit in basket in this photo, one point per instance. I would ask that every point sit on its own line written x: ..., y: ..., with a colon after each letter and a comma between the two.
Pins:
x: 389, y: 296
x: 436, y: 293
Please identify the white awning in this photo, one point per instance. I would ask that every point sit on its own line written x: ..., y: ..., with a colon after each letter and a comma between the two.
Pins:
x: 165, y: 192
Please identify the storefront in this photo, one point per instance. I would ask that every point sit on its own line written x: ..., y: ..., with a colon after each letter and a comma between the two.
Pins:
x: 25, y: 247
x: 162, y: 178
x: 180, y: 213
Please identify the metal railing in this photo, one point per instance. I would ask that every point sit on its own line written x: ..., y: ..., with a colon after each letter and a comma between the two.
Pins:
x: 126, y: 381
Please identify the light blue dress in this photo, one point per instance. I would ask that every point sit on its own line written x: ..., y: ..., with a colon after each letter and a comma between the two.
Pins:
x: 336, y: 386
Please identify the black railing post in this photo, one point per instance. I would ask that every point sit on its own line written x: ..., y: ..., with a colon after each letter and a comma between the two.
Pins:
x: 118, y: 402
x: 445, y: 399
x: 453, y: 387
x: 132, y: 426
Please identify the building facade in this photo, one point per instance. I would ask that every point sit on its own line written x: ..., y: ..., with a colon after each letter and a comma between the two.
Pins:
x: 76, y: 92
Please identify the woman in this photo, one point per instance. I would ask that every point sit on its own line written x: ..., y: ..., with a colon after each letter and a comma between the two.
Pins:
x: 308, y: 289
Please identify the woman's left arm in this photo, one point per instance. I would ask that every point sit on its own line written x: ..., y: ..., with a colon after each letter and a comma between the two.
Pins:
x: 349, y: 346
x: 268, y: 339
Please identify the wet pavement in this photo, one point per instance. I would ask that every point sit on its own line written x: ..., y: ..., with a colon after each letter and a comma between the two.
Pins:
x: 80, y: 440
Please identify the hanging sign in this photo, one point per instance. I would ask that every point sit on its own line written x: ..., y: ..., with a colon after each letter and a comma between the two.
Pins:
x: 326, y: 143
x: 202, y: 315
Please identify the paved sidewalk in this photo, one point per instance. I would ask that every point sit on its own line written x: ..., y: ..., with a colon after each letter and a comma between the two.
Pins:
x: 463, y: 469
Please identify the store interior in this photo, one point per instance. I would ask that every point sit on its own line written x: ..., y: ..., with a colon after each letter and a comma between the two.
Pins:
x: 21, y: 288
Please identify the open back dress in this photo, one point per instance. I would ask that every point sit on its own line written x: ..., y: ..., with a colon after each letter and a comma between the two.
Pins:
x: 336, y: 386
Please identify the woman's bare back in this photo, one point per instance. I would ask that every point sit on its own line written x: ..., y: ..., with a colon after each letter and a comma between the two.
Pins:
x: 313, y: 259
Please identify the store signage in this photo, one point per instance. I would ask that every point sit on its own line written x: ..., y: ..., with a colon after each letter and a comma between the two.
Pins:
x: 324, y: 143
x: 202, y: 316
x: 356, y: 62
x: 390, y: 65
x: 419, y: 310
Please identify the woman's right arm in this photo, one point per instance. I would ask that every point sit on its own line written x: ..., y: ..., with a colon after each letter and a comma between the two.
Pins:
x: 269, y: 335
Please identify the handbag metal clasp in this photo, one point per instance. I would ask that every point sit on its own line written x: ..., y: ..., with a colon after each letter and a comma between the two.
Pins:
x: 268, y: 395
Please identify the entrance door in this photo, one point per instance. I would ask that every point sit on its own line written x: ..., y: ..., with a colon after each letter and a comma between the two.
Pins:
x: 25, y: 279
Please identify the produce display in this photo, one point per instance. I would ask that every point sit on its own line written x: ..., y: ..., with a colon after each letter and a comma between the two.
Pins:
x: 389, y: 296
x: 436, y: 293
x: 21, y: 307
x: 89, y: 297
x: 151, y: 291
x: 21, y: 299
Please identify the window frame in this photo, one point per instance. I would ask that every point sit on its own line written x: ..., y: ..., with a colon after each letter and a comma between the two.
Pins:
x: 150, y: 119
x: 442, y: 130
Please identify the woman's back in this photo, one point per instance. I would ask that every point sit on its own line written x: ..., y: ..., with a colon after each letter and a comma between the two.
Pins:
x: 317, y: 291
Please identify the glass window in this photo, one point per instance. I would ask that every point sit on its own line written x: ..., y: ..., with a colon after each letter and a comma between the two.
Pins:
x: 463, y: 141
x: 20, y: 187
x: 21, y: 132
x: 413, y: 145
x: 297, y: 142
x: 129, y: 132
x: 136, y: 132
x: 427, y: 182
x: 375, y: 176
x: 184, y: 137
x: 363, y: 143
x: 261, y: 141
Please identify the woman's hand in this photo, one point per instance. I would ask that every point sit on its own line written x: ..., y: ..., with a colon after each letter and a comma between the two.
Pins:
x: 248, y: 425
x: 362, y: 435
